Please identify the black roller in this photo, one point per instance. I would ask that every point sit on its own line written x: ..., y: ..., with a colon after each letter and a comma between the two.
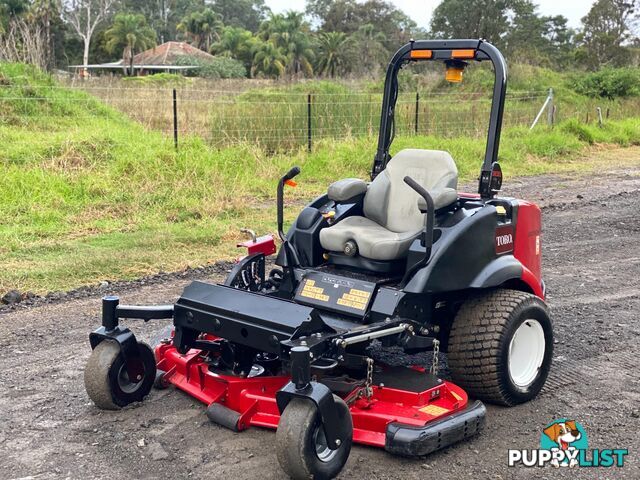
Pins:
x: 223, y: 416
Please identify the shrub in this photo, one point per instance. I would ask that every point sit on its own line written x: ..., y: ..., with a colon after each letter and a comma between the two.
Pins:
x: 158, y: 79
x: 609, y: 83
x: 583, y: 132
x: 217, y: 67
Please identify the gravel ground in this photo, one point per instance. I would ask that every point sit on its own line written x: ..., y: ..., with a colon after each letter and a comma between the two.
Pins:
x: 50, y: 429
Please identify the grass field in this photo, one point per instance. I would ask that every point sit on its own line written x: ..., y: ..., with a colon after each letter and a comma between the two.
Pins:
x: 87, y: 194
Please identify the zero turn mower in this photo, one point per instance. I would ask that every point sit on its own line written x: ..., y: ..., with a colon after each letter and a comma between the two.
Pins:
x: 404, y: 261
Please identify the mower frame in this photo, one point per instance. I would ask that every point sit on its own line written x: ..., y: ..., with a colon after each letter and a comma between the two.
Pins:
x: 254, y: 347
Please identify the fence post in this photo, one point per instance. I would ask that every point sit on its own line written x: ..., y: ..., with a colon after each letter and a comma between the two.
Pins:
x: 550, y: 108
x: 309, y: 122
x: 547, y: 103
x: 175, y: 119
x: 599, y: 110
x: 417, y: 114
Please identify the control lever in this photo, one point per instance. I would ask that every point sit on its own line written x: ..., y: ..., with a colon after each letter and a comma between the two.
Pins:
x: 280, y: 199
x: 427, y: 237
x: 289, y: 281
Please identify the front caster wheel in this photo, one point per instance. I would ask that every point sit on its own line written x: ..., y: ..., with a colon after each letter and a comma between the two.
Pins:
x: 301, y: 444
x: 107, y: 381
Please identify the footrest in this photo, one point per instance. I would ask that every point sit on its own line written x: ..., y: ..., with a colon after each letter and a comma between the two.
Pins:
x: 413, y: 441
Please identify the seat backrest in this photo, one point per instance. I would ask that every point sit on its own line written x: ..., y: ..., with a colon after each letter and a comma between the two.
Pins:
x: 392, y: 203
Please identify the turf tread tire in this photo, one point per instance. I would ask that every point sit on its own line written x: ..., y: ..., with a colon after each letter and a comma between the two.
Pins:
x: 478, y: 345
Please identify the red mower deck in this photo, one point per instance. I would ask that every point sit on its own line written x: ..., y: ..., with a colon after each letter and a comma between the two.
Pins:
x: 253, y: 399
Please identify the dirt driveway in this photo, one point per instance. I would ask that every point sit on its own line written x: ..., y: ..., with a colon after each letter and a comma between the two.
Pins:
x: 49, y: 428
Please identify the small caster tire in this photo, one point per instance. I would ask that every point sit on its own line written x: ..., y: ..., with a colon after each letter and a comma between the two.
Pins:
x: 106, y: 379
x: 160, y: 382
x: 301, y: 445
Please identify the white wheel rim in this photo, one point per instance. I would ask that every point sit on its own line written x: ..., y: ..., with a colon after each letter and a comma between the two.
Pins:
x: 526, y: 353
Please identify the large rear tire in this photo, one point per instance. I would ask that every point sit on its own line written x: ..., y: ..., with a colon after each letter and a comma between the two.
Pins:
x: 301, y: 445
x: 501, y: 346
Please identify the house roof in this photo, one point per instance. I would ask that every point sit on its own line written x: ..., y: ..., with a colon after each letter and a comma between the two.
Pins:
x: 167, y: 54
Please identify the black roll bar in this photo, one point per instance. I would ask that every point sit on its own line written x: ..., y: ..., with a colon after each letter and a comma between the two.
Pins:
x: 442, y: 50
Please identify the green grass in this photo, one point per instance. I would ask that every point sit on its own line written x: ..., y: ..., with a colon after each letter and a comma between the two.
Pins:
x: 84, y: 201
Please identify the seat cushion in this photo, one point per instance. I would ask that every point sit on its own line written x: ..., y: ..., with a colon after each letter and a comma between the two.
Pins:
x: 442, y: 197
x: 373, y: 240
x: 393, y: 204
x: 345, y: 189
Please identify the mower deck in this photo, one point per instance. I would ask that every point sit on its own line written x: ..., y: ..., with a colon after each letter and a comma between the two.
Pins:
x: 397, y: 419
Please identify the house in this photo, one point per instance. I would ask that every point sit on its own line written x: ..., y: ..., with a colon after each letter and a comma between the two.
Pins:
x: 162, y: 58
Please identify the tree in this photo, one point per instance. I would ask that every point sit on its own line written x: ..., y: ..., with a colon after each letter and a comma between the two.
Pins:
x: 368, y: 53
x: 488, y: 19
x: 202, y: 28
x: 268, y: 60
x: 84, y: 16
x: 236, y: 43
x: 129, y: 33
x: 347, y: 16
x: 246, y: 14
x: 606, y: 29
x: 332, y: 47
x: 46, y: 13
x: 536, y: 39
x: 292, y: 36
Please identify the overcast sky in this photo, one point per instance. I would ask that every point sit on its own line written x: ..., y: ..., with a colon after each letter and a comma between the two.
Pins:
x: 421, y: 10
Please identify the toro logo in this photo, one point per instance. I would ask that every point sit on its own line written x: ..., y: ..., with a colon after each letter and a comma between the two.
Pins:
x: 504, y: 239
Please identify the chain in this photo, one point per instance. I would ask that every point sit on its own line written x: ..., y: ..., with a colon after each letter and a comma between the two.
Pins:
x: 435, y: 359
x: 368, y: 391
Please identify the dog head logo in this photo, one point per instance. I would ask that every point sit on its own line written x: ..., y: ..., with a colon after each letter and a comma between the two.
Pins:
x: 564, y: 438
x: 563, y: 433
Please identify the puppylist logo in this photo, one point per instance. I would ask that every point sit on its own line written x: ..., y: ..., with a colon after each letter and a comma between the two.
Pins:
x: 563, y: 443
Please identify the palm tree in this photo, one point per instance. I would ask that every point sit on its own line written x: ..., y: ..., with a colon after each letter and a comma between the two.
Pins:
x: 332, y: 48
x: 236, y: 43
x: 367, y: 47
x: 201, y: 28
x: 292, y: 35
x: 268, y: 60
x: 130, y: 33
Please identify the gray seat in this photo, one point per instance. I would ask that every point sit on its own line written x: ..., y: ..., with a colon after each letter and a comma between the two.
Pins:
x: 392, y: 219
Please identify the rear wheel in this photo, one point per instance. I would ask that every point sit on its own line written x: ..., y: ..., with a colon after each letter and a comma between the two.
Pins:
x: 302, y: 447
x: 501, y: 346
x: 107, y: 381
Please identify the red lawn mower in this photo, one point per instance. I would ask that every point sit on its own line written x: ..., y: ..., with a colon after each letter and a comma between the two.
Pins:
x: 402, y: 263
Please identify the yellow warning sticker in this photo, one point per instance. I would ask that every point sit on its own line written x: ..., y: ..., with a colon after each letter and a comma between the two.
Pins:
x: 360, y: 293
x: 434, y: 410
x: 456, y: 396
x: 310, y: 291
x: 348, y: 303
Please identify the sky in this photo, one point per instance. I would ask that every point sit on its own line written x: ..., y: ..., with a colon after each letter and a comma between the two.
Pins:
x: 421, y: 10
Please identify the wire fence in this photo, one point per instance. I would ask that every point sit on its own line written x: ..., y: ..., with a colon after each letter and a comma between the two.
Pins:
x: 285, y: 120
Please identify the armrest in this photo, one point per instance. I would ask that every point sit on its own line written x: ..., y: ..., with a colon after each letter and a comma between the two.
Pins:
x: 345, y: 189
x: 441, y: 198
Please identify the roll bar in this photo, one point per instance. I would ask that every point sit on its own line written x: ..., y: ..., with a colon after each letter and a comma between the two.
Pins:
x: 444, y: 50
